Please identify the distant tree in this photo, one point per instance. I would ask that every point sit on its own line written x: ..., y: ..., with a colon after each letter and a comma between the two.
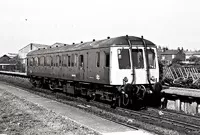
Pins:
x: 194, y: 59
x: 18, y: 62
x: 159, y: 47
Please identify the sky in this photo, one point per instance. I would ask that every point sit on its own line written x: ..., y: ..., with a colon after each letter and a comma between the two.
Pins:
x: 171, y: 23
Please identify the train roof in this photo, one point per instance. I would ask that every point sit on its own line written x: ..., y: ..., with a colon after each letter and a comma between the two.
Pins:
x: 135, y: 41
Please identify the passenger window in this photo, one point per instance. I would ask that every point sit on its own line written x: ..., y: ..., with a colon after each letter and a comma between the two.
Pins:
x: 31, y: 61
x: 41, y: 61
x: 107, y: 60
x: 81, y: 62
x: 58, y: 60
x: 51, y: 61
x: 75, y: 60
x: 98, y: 59
x: 45, y: 62
x: 72, y: 60
x: 48, y: 61
x: 54, y: 61
x: 69, y: 61
x: 64, y: 63
x: 36, y: 61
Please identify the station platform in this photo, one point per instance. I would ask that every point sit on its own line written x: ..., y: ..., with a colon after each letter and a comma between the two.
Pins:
x: 14, y: 73
x: 81, y: 117
x: 186, y: 92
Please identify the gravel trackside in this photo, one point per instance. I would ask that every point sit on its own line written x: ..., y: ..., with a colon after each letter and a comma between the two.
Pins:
x: 18, y: 116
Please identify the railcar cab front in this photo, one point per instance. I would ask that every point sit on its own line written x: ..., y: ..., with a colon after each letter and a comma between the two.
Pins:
x: 135, y: 70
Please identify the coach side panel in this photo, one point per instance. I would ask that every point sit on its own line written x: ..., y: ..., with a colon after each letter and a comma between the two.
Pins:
x: 85, y: 65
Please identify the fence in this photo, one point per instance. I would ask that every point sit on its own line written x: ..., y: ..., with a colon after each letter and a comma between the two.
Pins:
x: 181, y: 73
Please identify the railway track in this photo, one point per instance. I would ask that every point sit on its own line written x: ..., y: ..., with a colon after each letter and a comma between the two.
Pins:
x: 146, y: 116
x: 190, y: 126
x: 181, y: 115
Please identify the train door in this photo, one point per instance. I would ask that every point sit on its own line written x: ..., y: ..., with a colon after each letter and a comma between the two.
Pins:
x: 81, y: 67
x: 106, y: 67
x: 87, y: 67
x: 139, y: 66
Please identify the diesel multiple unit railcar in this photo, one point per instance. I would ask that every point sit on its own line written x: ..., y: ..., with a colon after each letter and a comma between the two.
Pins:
x: 123, y: 70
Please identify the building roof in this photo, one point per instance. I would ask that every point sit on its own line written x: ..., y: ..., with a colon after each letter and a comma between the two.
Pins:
x: 12, y: 55
x: 168, y: 52
x: 40, y: 45
x: 4, y: 59
x: 192, y: 52
x: 36, y: 45
x: 135, y: 41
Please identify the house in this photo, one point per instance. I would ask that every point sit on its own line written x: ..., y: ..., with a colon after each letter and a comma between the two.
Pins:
x: 4, y: 59
x: 189, y: 54
x: 28, y: 48
x: 168, y: 55
x: 7, y: 64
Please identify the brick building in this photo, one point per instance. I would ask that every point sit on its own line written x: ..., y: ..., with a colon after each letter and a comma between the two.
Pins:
x: 168, y: 55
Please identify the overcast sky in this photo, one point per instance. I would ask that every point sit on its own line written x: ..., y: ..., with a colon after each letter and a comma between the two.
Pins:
x: 172, y: 23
